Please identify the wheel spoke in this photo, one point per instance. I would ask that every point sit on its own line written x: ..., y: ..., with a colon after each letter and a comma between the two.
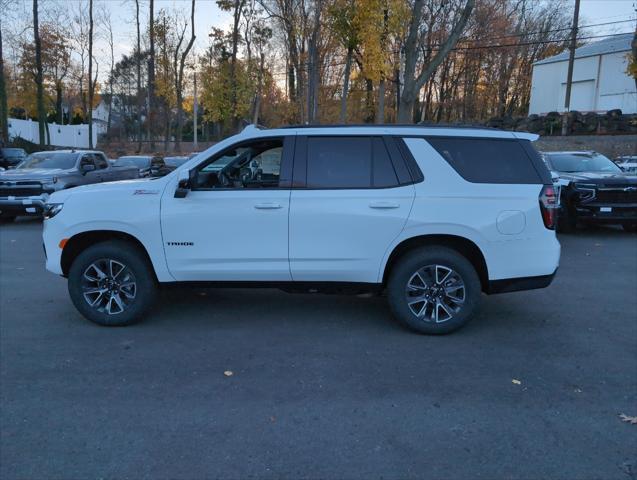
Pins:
x: 445, y: 270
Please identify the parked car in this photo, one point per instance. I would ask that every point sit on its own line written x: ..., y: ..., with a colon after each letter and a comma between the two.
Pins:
x: 433, y: 216
x: 627, y: 163
x: 25, y: 189
x: 10, y: 157
x: 148, y: 165
x: 594, y: 190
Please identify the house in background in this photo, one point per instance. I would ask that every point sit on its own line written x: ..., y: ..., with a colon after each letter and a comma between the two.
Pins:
x: 600, y: 81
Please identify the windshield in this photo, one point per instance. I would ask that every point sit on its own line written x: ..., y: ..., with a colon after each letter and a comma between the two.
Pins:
x: 581, y: 162
x: 139, y: 162
x: 62, y: 160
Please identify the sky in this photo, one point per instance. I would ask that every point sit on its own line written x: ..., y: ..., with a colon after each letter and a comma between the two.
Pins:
x: 208, y: 15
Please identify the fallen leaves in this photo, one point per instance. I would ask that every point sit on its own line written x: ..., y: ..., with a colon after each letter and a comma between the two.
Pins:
x: 628, y: 419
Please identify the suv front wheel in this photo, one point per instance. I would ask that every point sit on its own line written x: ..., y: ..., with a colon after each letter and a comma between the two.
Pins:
x: 111, y: 283
x: 433, y: 290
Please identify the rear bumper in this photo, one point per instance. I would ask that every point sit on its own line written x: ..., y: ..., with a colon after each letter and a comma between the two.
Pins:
x: 16, y: 206
x: 521, y: 283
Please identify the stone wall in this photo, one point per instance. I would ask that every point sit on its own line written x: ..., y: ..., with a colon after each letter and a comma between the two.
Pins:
x: 610, y: 145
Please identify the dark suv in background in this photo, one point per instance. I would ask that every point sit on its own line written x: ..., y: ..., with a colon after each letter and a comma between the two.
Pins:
x: 593, y: 190
x: 10, y: 157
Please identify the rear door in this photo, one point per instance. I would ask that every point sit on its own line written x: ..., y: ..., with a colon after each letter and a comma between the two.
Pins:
x: 351, y: 198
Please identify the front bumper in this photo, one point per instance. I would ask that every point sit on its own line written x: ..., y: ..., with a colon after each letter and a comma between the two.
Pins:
x: 17, y: 206
x: 597, y: 212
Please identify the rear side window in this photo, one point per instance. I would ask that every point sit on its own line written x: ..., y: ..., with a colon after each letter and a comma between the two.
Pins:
x: 349, y: 162
x: 487, y: 160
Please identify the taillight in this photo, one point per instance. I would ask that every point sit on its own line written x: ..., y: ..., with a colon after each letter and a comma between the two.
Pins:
x: 548, y: 206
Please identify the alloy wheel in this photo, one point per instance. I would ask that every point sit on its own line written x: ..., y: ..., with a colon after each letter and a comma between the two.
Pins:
x: 109, y: 286
x: 435, y: 293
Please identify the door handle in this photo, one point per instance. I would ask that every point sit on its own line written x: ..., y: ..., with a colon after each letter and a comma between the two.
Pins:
x: 383, y: 205
x: 267, y: 206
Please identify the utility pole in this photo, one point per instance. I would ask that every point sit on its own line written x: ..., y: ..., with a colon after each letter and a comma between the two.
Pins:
x: 194, y: 112
x: 569, y: 75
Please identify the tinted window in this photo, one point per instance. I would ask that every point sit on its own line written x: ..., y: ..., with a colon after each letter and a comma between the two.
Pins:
x: 339, y: 162
x: 487, y: 160
x: 133, y: 161
x: 383, y: 171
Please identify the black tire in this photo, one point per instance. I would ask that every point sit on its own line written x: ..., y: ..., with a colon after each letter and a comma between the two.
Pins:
x: 138, y: 272
x: 403, y: 272
x: 7, y: 218
x: 630, y: 227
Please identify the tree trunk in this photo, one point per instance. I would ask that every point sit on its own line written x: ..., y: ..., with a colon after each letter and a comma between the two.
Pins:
x: 414, y: 83
x: 58, y: 103
x: 4, y: 110
x: 257, y: 100
x: 91, y: 83
x: 348, y: 67
x: 39, y: 75
x: 380, y: 107
x: 179, y: 86
x: 140, y: 99
x: 151, y: 75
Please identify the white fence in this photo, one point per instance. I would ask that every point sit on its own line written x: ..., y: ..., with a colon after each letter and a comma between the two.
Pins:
x: 74, y: 136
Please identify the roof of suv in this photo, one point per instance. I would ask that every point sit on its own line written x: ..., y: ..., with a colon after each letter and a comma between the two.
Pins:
x: 251, y: 131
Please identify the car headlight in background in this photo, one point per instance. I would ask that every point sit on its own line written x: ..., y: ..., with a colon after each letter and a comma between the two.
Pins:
x: 52, y: 209
x: 586, y: 190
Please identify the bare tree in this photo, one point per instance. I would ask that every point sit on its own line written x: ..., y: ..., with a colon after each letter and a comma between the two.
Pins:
x: 412, y: 82
x: 39, y: 75
x: 91, y: 82
x: 139, y: 80
x: 4, y: 109
x: 151, y: 74
x: 108, y: 26
x: 180, y: 63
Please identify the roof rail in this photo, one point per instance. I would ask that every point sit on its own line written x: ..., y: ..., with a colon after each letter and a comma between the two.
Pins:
x: 386, y: 125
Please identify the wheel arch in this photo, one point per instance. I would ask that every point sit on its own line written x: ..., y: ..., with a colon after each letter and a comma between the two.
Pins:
x: 81, y: 241
x: 462, y: 245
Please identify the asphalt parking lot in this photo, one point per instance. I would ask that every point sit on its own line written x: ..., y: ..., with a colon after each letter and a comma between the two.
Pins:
x: 322, y: 386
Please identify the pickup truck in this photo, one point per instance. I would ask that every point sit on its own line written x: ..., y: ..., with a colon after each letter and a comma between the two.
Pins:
x: 25, y: 189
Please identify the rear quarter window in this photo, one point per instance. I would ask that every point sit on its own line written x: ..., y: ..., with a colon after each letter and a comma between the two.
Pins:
x: 487, y: 160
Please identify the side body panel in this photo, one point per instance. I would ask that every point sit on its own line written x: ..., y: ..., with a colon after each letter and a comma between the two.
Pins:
x: 445, y: 203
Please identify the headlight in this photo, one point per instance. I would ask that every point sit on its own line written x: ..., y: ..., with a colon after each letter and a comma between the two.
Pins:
x: 52, y: 209
x: 586, y: 190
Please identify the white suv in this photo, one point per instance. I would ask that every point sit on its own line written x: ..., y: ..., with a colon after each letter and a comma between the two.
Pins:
x: 434, y: 217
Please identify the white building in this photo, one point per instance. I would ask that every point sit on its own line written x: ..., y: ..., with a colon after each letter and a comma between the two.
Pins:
x: 600, y: 81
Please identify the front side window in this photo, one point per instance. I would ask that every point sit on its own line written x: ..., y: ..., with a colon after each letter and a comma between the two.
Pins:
x: 251, y: 165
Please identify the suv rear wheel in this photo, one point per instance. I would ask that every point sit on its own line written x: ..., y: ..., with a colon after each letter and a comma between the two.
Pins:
x: 433, y: 290
x: 111, y: 283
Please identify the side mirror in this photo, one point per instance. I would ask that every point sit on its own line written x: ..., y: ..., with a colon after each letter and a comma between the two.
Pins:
x: 187, y: 178
x: 87, y: 167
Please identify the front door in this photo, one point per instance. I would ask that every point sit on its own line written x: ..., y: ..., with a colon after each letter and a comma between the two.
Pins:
x: 233, y: 223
